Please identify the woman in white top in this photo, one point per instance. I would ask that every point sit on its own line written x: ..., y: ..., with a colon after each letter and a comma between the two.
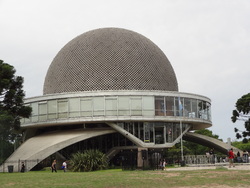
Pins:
x: 64, y: 166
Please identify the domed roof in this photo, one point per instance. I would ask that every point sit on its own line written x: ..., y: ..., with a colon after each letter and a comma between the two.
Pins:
x: 109, y: 59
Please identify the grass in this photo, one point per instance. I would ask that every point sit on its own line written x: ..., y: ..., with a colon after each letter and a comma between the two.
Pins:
x: 221, y: 178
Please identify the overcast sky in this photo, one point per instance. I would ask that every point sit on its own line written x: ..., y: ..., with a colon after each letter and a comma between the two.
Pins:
x: 206, y: 41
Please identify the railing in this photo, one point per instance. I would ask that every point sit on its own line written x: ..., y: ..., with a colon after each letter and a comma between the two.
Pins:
x: 204, y: 159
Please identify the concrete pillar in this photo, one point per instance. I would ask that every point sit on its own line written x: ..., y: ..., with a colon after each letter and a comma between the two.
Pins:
x: 142, y: 158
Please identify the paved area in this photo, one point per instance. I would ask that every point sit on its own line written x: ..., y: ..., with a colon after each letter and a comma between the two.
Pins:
x: 238, y: 166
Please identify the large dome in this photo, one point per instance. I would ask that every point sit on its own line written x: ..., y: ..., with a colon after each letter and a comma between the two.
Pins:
x: 109, y: 59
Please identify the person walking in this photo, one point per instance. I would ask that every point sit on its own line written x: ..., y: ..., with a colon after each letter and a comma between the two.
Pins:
x: 53, y: 166
x: 23, y: 167
x: 64, y: 166
x: 164, y: 165
x: 212, y: 156
x: 231, y: 158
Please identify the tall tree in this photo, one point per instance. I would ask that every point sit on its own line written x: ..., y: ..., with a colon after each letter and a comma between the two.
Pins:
x: 242, y: 113
x: 12, y: 107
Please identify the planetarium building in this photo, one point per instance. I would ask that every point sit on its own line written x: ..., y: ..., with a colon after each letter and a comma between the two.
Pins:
x: 114, y: 90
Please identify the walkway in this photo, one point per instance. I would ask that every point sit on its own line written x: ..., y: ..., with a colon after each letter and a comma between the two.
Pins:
x: 238, y: 166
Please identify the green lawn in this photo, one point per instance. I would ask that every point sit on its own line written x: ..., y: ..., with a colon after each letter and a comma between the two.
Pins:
x: 117, y: 178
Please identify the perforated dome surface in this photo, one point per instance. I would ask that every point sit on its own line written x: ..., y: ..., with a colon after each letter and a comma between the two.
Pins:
x: 109, y: 59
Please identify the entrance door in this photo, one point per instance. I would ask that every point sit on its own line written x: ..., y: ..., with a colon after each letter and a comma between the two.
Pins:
x: 159, y: 135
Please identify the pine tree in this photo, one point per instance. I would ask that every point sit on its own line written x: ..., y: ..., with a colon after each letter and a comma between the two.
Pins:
x: 242, y: 113
x: 12, y: 107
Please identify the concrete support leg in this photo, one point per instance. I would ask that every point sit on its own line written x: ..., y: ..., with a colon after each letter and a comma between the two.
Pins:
x: 142, y: 158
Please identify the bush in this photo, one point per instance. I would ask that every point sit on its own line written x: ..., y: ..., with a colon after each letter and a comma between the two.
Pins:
x: 89, y: 160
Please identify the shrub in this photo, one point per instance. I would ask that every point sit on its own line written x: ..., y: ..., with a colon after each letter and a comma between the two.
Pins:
x: 89, y: 160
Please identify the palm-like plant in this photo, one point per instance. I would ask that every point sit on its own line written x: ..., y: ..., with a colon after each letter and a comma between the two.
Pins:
x: 89, y: 160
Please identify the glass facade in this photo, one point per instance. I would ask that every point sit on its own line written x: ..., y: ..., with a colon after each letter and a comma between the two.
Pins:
x: 155, y: 132
x: 119, y: 106
x: 182, y: 107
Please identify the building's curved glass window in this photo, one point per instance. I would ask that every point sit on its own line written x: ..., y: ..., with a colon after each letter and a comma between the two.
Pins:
x: 194, y: 108
x: 169, y: 106
x: 86, y: 107
x: 148, y: 106
x: 42, y: 108
x: 203, y: 110
x: 98, y: 104
x: 136, y: 106
x: 183, y: 107
x: 123, y: 105
x: 62, y: 108
x: 52, y: 109
x: 179, y: 106
x: 74, y: 107
x: 159, y: 106
x: 35, y: 112
x: 209, y: 110
x: 187, y: 111
x: 111, y: 106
